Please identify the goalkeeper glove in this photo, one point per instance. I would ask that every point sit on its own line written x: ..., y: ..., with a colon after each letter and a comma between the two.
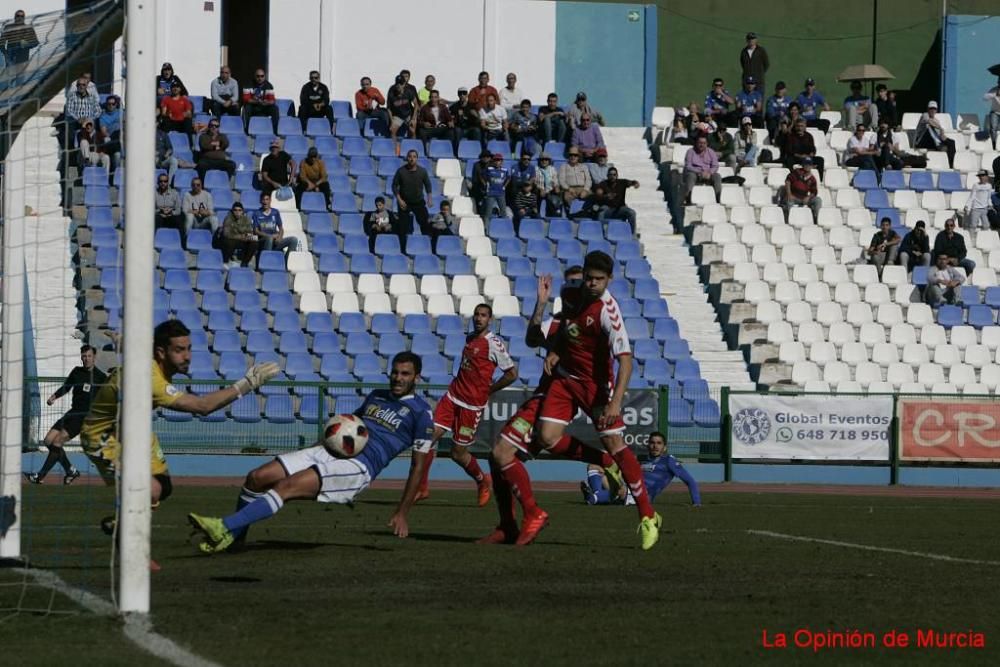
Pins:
x: 257, y: 375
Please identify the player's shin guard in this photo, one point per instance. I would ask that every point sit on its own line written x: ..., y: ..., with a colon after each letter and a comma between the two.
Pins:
x: 246, y: 497
x: 632, y: 473
x: 504, y: 498
x: 264, y: 507
x: 571, y: 448
x: 473, y: 470
x: 516, y: 475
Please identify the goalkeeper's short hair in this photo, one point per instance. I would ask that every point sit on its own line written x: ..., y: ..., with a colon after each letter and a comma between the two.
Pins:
x: 166, y: 330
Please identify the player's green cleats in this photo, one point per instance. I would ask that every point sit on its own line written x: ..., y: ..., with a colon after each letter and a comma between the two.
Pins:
x: 649, y: 529
x: 615, y: 479
x: 217, y: 536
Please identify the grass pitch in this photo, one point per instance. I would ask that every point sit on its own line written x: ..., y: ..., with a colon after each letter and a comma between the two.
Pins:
x: 321, y: 585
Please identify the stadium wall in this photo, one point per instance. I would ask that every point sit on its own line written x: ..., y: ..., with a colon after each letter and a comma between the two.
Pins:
x: 969, y: 48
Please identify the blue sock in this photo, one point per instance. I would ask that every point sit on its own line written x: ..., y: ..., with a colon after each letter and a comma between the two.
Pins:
x: 596, y: 480
x: 262, y: 508
x: 599, y: 495
x: 246, y: 497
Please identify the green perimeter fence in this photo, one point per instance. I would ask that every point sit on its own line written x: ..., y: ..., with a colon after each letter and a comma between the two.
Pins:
x: 288, y: 415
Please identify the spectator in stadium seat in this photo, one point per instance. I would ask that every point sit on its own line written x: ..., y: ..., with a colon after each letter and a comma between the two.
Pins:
x: 776, y: 108
x: 888, y: 150
x: 168, y: 206
x: 475, y: 184
x: 943, y: 281
x: 16, y: 42
x: 754, y: 61
x: 811, y: 102
x: 574, y: 178
x: 434, y: 121
x: 801, y: 188
x: 479, y: 93
x: 312, y: 177
x: 91, y: 144
x: 314, y: 100
x: 552, y: 120
x: 930, y: 134
x: 110, y: 125
x: 165, y: 155
x: 382, y: 221
x: 270, y: 231
x: 523, y: 127
x: 238, y: 236
x: 424, y: 94
x: 547, y: 185
x: 511, y: 96
x: 885, y: 101
x: 745, y: 145
x: 800, y: 145
x: 496, y: 178
x: 409, y: 87
x: 259, y: 100
x: 884, y: 246
x: 750, y: 103
x: 614, y: 190
x: 466, y: 118
x: 212, y: 147
x: 442, y: 223
x: 701, y: 165
x: 369, y: 103
x: 177, y: 112
x: 980, y: 203
x: 522, y: 171
x: 165, y: 82
x: 859, y: 108
x: 952, y: 244
x: 80, y: 106
x: 412, y: 187
x: 915, y: 249
x: 199, y: 209
x: 600, y: 166
x: 524, y: 203
x: 225, y: 94
x: 861, y: 150
x: 698, y: 124
x: 276, y: 169
x: 587, y: 137
x: 721, y: 142
x: 402, y: 108
x: 492, y: 121
x: 581, y: 108
x: 718, y: 102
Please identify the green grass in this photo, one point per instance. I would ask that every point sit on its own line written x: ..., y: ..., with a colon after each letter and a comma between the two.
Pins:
x: 326, y: 584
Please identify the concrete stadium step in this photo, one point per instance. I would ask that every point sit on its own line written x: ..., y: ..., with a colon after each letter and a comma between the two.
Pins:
x: 672, y: 264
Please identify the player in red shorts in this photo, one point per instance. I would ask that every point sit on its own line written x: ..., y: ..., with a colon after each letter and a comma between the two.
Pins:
x: 460, y: 409
x: 510, y: 478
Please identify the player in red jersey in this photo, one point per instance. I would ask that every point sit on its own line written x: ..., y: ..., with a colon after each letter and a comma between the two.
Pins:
x: 510, y: 478
x: 460, y: 409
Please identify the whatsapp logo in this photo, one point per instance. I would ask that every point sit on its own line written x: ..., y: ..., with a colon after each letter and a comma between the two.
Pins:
x: 783, y: 434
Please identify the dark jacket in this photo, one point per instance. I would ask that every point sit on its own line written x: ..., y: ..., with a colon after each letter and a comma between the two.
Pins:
x: 953, y: 247
x: 425, y: 116
x: 755, y: 66
x: 308, y: 96
x: 911, y: 243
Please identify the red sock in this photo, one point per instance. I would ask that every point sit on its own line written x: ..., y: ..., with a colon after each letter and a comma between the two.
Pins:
x: 629, y: 465
x: 473, y: 470
x: 504, y: 498
x: 516, y: 476
x: 572, y: 448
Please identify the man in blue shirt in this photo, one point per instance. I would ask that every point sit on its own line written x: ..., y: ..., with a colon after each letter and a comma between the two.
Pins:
x: 750, y: 103
x: 396, y: 419
x: 657, y: 472
x: 495, y: 180
x: 812, y: 102
x: 776, y: 108
x: 859, y: 109
x: 269, y: 229
x: 718, y: 102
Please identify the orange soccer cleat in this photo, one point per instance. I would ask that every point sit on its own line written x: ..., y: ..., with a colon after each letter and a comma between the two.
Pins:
x: 531, y: 526
x: 484, y: 490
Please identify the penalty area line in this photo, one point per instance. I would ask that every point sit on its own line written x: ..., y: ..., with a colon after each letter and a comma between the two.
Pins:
x: 137, y: 628
x: 868, y: 547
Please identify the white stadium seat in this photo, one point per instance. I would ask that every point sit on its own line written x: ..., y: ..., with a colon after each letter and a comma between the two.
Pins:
x: 506, y: 306
x: 464, y: 285
x: 448, y: 168
x: 775, y: 272
x: 867, y: 373
x: 791, y: 351
x: 470, y: 227
x: 859, y: 313
x: 306, y: 282
x: 836, y: 372
x: 854, y: 353
x: 440, y: 304
x: 871, y: 333
x: 899, y: 373
x: 339, y: 282
x: 804, y: 274
x: 769, y: 311
x: 947, y: 355
x: 978, y: 356
x: 817, y: 386
x: 961, y: 374
x: 787, y: 291
x: 902, y: 333
x: 990, y: 376
x: 479, y: 246
x: 975, y: 389
x: 467, y: 305
x: 932, y: 335
x: 494, y: 286
x: 409, y: 304
x: 798, y: 312
x: 371, y: 283
x: 894, y: 275
x: 313, y: 302
x: 779, y: 332
x: 402, y: 283
x: 828, y: 313
x: 377, y: 303
x: 991, y: 337
x: 794, y: 254
x: 915, y: 354
x: 943, y: 388
x: 804, y: 371
x: 299, y: 261
x: 963, y: 336
x: 822, y: 352
x: 919, y: 314
x: 344, y: 302
x: 841, y: 333
x: 811, y: 332
x: 433, y: 284
x: 488, y: 266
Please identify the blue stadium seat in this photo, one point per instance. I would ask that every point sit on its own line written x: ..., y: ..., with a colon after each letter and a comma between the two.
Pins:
x: 211, y: 300
x: 341, y: 109
x: 513, y: 327
x: 561, y: 229
x: 619, y: 230
x: 286, y: 320
x: 222, y: 320
x: 182, y: 299
x: 278, y: 302
x: 386, y: 244
x: 384, y: 323
x: 259, y: 341
x: 675, y: 350
x: 352, y: 323
x: 706, y: 413
x: 216, y: 179
x: 384, y: 147
x: 876, y: 199
x: 950, y: 181
x: 367, y: 364
x: 341, y: 202
x: 325, y: 343
x: 333, y: 362
x: 376, y: 127
x: 230, y: 125
x: 232, y: 364
x: 630, y: 307
x: 172, y: 258
x: 364, y: 263
x: 415, y: 323
x: 319, y: 223
x: 520, y: 267
x: 274, y: 281
x: 426, y: 265
x: 100, y: 217
x: 208, y: 260
x: 260, y: 125
x: 415, y: 245
x: 245, y: 410
x: 529, y: 369
x: 242, y: 278
x: 166, y: 238
x: 654, y: 309
x: 253, y: 320
x: 271, y: 260
x: 469, y: 149
x: 637, y: 268
x: 981, y: 316
x: 679, y: 412
x: 922, y: 181
x: 524, y: 286
x: 176, y: 279
x: 310, y: 411
x: 549, y: 265
x: 647, y: 288
x: 109, y: 256
x: 183, y: 178
x: 590, y: 230
x: 555, y: 148
x: 531, y: 228
x: 279, y: 409
x: 969, y: 295
x: 351, y: 224
x: 355, y: 244
x: 436, y: 365
x: 332, y: 262
x: 626, y: 250
x: 395, y: 264
x: 388, y: 166
x: 441, y: 148
x: 361, y: 165
x: 292, y: 341
x: 538, y: 248
x: 666, y: 329
x: 317, y: 127
x: 500, y: 228
x: 95, y: 176
x: 450, y: 245
x: 454, y: 344
x: 391, y: 343
x: 600, y: 245
x: 425, y: 343
x: 245, y: 178
x: 298, y: 364
x: 456, y: 265
x: 992, y: 297
x: 695, y: 389
x: 951, y: 316
x: 569, y: 250
x: 289, y: 126
x: 893, y: 180
x: 330, y: 151
x: 407, y: 145
x: 315, y: 202
x: 657, y: 371
x: 686, y: 369
x: 637, y: 328
x: 865, y: 179
x: 227, y: 341
x: 646, y: 348
x: 319, y: 323
x: 449, y: 324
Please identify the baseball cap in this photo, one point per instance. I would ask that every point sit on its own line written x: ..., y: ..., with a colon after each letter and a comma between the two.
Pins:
x: 462, y: 90
x: 545, y: 156
x: 751, y: 35
x: 746, y: 120
x: 498, y: 156
x: 932, y: 105
x: 982, y: 172
x: 581, y: 95
x: 810, y: 81
x: 807, y: 161
x: 601, y: 151
x: 750, y: 79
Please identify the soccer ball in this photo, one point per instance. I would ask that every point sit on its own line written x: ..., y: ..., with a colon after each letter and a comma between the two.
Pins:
x: 345, y: 435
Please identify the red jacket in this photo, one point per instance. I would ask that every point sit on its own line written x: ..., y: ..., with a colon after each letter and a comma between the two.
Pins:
x: 362, y: 98
x: 425, y: 115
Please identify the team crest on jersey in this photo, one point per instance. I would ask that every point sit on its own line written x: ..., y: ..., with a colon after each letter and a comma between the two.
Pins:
x: 172, y: 390
x: 403, y: 411
x: 573, y: 330
x: 590, y: 320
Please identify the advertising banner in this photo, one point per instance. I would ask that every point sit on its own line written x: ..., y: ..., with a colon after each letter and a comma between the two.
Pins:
x: 949, y: 429
x: 810, y: 427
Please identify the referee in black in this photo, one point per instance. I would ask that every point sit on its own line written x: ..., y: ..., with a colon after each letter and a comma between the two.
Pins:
x: 83, y: 381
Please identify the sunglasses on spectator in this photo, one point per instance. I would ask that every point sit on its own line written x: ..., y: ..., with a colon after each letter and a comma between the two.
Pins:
x: 213, y: 125
x: 163, y: 181
x: 259, y: 76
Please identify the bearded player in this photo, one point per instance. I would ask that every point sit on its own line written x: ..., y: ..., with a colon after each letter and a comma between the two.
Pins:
x: 461, y: 408
x: 510, y: 477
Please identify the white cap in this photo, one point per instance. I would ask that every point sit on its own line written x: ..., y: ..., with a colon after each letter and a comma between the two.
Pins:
x: 932, y: 105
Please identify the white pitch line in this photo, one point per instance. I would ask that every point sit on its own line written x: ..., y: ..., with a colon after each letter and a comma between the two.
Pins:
x: 868, y: 547
x: 138, y: 628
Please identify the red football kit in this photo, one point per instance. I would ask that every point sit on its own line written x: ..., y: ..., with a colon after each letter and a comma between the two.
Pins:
x: 517, y: 432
